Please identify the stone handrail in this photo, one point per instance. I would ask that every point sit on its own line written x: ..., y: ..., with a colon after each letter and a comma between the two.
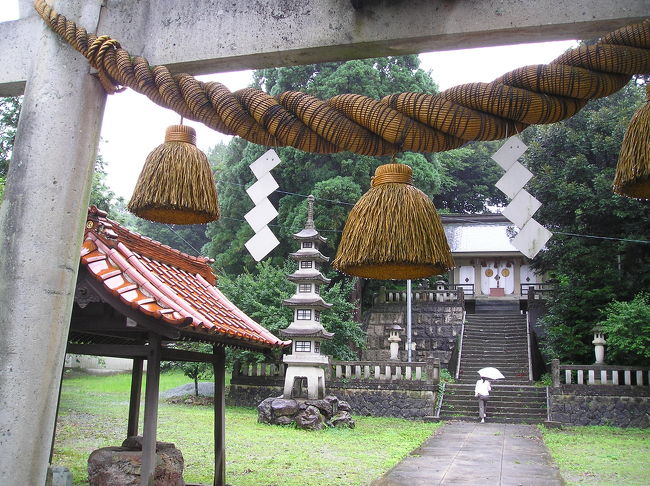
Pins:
x: 258, y: 369
x: 599, y: 375
x: 428, y: 295
x: 423, y: 371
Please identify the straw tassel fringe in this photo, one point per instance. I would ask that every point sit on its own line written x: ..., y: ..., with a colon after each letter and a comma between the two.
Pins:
x: 393, y: 232
x: 633, y: 169
x: 176, y: 184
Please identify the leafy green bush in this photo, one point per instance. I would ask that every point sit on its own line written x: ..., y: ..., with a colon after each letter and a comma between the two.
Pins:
x: 627, y: 330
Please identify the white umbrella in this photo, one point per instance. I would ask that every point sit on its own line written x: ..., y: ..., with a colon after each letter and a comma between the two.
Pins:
x: 491, y: 373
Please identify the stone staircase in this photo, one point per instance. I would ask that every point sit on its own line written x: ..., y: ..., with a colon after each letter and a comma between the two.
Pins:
x: 497, y: 340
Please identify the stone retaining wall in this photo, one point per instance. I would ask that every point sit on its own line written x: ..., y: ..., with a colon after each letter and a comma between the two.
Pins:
x: 408, y: 404
x: 620, y: 406
x: 434, y: 329
x: 403, y: 400
x: 251, y: 395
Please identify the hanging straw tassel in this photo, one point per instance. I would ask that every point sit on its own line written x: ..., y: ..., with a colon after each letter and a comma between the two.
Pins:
x: 633, y: 169
x: 176, y: 184
x: 393, y: 231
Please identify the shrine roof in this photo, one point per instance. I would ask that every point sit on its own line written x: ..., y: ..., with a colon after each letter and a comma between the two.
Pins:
x: 166, y: 284
x: 478, y: 233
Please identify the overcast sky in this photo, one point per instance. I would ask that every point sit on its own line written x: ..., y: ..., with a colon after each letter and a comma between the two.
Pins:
x: 133, y: 125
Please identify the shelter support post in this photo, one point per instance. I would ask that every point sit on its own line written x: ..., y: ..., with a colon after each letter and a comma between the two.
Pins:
x: 219, y: 364
x: 41, y: 226
x: 134, y: 400
x: 148, y: 468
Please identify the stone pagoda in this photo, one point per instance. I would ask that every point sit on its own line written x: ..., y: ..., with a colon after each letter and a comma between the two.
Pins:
x: 305, y: 376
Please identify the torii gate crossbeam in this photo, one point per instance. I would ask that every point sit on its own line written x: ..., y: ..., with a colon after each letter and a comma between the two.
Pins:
x: 42, y: 215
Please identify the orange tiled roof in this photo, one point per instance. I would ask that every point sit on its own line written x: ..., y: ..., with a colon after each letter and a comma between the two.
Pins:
x: 164, y: 283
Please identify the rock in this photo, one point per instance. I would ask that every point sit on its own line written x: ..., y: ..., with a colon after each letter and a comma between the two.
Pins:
x: 334, y: 401
x: 310, y: 419
x: 344, y: 406
x: 324, y: 406
x: 120, y: 466
x: 343, y: 419
x: 282, y: 406
x: 135, y: 442
x: 264, y: 411
x: 283, y: 420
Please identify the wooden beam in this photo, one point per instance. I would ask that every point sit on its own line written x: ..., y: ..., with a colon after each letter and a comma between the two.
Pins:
x: 148, y: 467
x: 112, y: 350
x: 219, y: 364
x: 134, y: 399
x: 170, y: 354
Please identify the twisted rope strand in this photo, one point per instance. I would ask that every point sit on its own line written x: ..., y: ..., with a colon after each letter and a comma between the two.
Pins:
x: 418, y: 122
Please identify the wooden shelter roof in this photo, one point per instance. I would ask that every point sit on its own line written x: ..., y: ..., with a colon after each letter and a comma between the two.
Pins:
x: 165, y: 286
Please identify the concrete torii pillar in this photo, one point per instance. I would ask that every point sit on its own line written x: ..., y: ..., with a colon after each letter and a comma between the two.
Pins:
x: 47, y: 190
x: 41, y: 226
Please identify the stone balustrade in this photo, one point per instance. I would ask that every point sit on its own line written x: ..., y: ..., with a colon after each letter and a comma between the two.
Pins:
x: 599, y: 375
x: 271, y: 370
x: 383, y: 371
x: 456, y: 295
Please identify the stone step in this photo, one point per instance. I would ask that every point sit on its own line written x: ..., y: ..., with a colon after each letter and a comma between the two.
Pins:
x: 493, y: 412
x: 494, y: 351
x: 499, y: 354
x: 496, y: 420
x: 498, y: 385
x: 499, y: 402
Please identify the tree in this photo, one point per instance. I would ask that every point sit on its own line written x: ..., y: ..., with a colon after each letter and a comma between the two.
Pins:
x: 627, y: 329
x: 260, y: 294
x: 573, y: 163
x: 193, y: 370
x: 9, y: 112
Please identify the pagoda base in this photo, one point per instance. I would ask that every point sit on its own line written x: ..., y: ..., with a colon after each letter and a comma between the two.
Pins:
x: 304, y: 381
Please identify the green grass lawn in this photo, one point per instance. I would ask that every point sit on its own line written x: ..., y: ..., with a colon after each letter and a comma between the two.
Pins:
x: 604, y: 456
x: 93, y: 414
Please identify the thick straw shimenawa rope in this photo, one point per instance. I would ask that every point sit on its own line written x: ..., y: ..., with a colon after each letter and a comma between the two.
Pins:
x: 407, y: 121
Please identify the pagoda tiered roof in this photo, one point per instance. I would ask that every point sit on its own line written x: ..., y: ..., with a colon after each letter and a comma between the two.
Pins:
x: 307, y: 299
x: 309, y: 254
x: 309, y: 234
x: 306, y: 332
x: 312, y: 275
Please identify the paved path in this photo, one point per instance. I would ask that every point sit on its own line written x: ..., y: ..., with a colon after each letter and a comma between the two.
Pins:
x: 465, y: 453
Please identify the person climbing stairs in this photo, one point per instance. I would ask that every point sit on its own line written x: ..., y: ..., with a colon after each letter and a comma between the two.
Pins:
x: 498, y: 340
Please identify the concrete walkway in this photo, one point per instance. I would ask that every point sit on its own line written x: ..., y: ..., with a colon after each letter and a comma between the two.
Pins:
x: 465, y: 453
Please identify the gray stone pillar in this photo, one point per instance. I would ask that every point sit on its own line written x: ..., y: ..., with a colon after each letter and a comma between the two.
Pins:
x: 41, y: 225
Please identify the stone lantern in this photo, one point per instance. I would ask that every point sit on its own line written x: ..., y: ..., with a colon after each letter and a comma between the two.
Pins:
x: 599, y: 345
x: 441, y: 285
x: 394, y: 341
x: 305, y: 376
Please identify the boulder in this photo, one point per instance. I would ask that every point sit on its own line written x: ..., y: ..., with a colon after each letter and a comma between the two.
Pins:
x: 344, y: 406
x: 343, y: 419
x: 310, y: 419
x: 264, y: 411
x: 282, y: 406
x: 120, y: 466
x: 324, y: 406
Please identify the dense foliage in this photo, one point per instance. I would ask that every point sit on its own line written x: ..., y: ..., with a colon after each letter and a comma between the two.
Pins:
x: 627, y: 327
x: 260, y: 294
x: 574, y: 162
